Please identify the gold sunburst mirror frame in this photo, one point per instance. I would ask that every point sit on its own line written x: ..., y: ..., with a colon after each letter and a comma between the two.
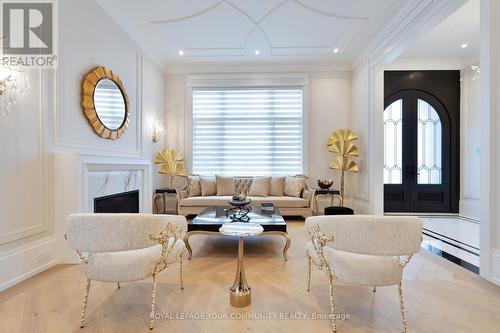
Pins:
x: 92, y: 82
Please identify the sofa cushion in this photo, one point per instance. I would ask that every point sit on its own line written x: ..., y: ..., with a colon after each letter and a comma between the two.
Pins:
x: 225, y: 185
x: 260, y: 186
x: 208, y: 185
x: 282, y: 202
x: 193, y: 185
x: 210, y: 201
x: 207, y: 201
x: 277, y: 186
x: 294, y: 186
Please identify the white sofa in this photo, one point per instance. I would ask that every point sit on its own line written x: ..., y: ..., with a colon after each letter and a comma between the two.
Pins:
x: 287, y: 205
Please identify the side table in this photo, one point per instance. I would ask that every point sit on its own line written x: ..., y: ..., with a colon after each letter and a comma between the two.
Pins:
x: 165, y: 201
x: 332, y: 194
x: 240, y: 293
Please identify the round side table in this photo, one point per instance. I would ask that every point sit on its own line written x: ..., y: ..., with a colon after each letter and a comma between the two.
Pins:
x: 240, y: 293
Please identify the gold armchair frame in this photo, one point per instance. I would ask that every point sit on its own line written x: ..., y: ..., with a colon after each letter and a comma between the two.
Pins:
x: 319, y: 241
x: 167, y: 239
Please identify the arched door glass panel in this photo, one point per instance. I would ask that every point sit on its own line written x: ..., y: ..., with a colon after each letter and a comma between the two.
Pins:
x: 429, y: 140
x: 393, y: 142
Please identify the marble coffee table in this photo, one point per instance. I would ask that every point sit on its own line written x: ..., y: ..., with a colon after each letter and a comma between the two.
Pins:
x: 211, y: 219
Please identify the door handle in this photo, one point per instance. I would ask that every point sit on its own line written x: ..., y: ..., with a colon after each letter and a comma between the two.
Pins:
x: 405, y: 172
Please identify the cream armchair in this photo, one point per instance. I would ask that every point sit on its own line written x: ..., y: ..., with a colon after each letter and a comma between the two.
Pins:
x: 126, y: 247
x: 362, y: 250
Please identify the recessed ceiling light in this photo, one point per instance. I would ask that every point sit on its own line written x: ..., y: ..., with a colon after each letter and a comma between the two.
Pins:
x: 257, y: 52
x: 464, y: 45
x: 181, y: 53
x: 335, y: 50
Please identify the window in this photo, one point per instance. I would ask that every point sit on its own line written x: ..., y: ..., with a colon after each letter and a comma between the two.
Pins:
x: 393, y: 142
x: 429, y: 144
x: 246, y: 132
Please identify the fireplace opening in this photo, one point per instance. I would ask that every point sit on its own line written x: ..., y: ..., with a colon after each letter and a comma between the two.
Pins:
x: 126, y: 202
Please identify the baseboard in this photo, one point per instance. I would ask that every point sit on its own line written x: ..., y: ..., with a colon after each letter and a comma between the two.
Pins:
x: 494, y: 267
x: 26, y: 261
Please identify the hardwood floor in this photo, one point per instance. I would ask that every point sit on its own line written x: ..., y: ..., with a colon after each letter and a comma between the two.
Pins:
x: 440, y: 296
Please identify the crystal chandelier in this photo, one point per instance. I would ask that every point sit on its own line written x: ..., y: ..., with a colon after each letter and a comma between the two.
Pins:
x: 14, y: 81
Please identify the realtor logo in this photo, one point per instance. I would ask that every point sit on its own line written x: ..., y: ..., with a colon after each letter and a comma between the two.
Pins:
x: 28, y: 29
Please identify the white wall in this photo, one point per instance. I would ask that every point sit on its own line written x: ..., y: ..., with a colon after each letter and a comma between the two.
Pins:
x: 358, y: 119
x: 327, y: 110
x: 48, y: 120
x: 470, y: 140
x: 490, y: 149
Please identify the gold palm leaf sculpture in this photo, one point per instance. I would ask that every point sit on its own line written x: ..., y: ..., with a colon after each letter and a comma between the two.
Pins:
x: 171, y: 164
x: 341, y: 143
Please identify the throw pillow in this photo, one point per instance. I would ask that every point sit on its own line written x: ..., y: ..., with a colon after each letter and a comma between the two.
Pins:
x: 208, y: 185
x: 193, y: 186
x: 294, y: 186
x: 260, y: 186
x: 277, y: 186
x: 225, y: 185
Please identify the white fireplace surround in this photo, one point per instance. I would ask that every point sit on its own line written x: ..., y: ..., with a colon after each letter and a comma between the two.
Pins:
x: 79, y: 178
x: 105, y: 176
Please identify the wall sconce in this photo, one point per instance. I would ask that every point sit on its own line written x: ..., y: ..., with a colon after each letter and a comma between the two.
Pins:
x: 156, y: 132
x: 13, y: 82
x: 476, y: 70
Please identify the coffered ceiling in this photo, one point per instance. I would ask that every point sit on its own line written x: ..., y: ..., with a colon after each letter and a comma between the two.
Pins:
x: 323, y: 32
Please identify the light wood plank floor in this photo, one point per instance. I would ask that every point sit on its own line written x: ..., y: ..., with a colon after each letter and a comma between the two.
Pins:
x: 440, y: 296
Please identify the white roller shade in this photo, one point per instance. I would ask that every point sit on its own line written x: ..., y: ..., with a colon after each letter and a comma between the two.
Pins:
x: 248, y: 131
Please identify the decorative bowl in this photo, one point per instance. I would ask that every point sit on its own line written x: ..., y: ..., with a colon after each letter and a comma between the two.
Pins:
x: 239, y: 203
x: 325, y: 184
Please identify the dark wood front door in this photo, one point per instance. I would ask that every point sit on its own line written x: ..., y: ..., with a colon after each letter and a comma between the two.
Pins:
x: 418, y: 153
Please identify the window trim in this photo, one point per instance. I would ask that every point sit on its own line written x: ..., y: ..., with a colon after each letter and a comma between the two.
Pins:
x: 248, y: 81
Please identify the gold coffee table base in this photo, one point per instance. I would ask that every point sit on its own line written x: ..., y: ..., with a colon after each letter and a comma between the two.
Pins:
x: 240, y: 299
x: 240, y: 294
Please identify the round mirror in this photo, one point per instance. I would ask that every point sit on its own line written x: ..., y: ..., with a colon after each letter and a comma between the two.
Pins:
x: 105, y: 103
x: 109, y: 104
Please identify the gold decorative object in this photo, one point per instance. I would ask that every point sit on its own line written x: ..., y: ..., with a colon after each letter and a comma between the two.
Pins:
x: 171, y: 164
x: 341, y: 143
x: 105, y: 125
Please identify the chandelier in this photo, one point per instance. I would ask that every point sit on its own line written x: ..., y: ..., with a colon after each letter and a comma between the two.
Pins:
x: 14, y: 81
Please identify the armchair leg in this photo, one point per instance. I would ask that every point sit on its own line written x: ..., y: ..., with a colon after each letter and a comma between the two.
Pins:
x: 85, y: 301
x: 118, y: 285
x: 181, y: 272
x: 375, y: 289
x: 402, y: 308
x: 308, y: 272
x: 153, y: 299
x: 332, y: 303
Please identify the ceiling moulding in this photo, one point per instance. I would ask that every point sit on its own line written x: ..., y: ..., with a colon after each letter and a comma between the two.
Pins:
x: 426, y: 64
x: 221, y: 68
x: 413, y: 21
x: 101, y: 12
